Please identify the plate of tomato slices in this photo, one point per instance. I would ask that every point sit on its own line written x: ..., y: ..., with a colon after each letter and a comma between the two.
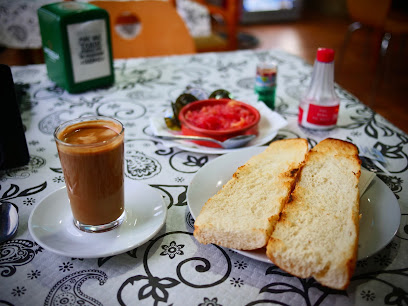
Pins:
x: 254, y: 118
x: 219, y: 119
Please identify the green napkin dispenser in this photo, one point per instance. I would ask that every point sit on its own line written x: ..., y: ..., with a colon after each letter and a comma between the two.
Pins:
x: 77, y: 45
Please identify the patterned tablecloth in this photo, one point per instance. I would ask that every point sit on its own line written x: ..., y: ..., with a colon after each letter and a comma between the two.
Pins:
x: 172, y: 268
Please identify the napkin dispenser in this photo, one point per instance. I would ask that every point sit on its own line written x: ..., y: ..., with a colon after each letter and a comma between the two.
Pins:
x: 77, y: 45
x: 13, y: 145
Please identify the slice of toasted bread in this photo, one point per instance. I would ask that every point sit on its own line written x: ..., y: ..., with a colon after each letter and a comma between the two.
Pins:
x: 317, y: 233
x: 244, y: 211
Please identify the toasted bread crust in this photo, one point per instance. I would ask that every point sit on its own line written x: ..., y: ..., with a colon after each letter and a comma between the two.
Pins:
x: 317, y: 233
x: 243, y: 213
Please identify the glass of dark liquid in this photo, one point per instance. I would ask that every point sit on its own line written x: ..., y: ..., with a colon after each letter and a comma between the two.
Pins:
x: 91, y: 151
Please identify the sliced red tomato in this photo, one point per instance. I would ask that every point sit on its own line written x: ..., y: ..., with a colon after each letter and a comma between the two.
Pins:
x: 220, y: 116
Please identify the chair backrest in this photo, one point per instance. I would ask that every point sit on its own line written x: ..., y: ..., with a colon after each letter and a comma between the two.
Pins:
x: 229, y: 11
x: 371, y: 13
x: 157, y: 29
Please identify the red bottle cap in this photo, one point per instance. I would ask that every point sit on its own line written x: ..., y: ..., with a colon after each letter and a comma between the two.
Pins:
x: 325, y: 55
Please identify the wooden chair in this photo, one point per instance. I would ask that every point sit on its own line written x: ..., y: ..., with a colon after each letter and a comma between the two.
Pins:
x: 396, y: 24
x: 146, y: 28
x: 225, y: 20
x: 372, y: 14
x: 366, y: 13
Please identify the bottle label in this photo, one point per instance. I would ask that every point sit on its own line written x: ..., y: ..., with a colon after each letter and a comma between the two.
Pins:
x: 265, y: 81
x: 265, y: 75
x: 322, y: 115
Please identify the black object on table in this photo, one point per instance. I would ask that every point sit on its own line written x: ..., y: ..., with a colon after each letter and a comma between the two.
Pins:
x: 13, y: 145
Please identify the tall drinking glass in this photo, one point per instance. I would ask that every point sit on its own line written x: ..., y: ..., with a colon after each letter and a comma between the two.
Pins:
x: 91, y: 151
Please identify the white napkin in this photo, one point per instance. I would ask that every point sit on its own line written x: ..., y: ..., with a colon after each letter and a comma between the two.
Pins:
x: 365, y: 179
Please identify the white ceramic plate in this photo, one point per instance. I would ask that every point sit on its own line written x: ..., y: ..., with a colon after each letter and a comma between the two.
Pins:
x: 379, y: 207
x: 51, y: 224
x: 268, y: 127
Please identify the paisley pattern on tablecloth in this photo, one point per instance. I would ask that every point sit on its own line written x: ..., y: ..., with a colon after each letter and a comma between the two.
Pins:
x: 173, y: 268
x: 16, y: 253
x: 68, y: 291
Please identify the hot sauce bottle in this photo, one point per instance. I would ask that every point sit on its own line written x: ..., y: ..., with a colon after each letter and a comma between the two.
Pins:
x: 319, y: 107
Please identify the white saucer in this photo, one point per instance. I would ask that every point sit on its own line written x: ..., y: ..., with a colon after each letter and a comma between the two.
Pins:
x: 51, y: 224
x: 378, y: 206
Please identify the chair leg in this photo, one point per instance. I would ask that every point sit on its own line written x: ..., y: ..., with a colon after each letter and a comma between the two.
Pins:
x: 380, y: 67
x: 351, y: 28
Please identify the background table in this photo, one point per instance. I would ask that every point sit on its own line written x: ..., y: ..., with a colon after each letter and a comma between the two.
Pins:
x: 19, y: 21
x: 173, y: 268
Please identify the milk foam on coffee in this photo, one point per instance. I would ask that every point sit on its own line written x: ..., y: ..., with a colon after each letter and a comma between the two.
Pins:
x: 89, y: 134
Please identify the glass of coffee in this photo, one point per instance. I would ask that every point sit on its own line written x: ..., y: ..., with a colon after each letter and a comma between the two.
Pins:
x: 91, y: 151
